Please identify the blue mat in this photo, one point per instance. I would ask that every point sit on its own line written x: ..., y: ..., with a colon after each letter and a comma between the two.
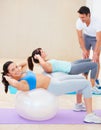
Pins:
x: 13, y: 90
x: 72, y: 93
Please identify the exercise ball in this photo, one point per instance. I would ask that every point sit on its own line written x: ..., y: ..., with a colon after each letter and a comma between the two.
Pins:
x: 38, y: 104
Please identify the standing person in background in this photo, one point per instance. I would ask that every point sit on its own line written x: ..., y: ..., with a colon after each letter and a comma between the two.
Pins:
x: 89, y: 35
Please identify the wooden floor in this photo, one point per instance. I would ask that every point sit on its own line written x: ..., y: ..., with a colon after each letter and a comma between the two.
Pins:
x: 65, y: 102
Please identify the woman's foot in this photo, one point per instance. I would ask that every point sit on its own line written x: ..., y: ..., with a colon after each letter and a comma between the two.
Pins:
x: 79, y: 107
x: 92, y: 118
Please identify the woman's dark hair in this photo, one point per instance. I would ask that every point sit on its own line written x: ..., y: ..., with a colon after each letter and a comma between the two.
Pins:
x: 5, y: 71
x: 31, y: 58
x: 84, y: 10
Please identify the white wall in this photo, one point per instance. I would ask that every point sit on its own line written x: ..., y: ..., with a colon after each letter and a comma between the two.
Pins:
x: 28, y: 24
x: 95, y: 6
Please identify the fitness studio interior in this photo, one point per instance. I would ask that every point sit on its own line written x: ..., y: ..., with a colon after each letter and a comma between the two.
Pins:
x: 49, y: 24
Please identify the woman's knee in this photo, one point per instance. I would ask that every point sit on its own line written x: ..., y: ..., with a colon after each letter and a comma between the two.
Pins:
x: 87, y: 90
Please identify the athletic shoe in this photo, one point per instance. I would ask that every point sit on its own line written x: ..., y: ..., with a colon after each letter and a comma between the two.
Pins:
x: 98, y: 86
x: 92, y: 118
x: 97, y: 82
x: 79, y: 107
x: 95, y: 90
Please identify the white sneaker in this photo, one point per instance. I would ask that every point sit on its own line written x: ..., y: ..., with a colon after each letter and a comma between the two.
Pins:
x: 98, y: 86
x: 92, y: 118
x: 95, y: 90
x: 79, y: 107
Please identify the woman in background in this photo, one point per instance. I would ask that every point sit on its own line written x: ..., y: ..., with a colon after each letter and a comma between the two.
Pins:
x: 72, y: 68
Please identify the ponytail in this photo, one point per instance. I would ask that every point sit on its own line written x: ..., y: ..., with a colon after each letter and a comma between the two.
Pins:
x: 30, y: 63
x: 5, y: 82
x: 31, y: 59
x: 5, y: 71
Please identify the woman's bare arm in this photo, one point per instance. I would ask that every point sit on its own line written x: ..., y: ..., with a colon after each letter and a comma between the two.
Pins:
x: 23, y: 66
x: 20, y: 85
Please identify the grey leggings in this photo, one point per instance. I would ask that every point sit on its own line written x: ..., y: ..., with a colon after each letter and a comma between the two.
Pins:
x: 60, y: 87
x: 84, y: 66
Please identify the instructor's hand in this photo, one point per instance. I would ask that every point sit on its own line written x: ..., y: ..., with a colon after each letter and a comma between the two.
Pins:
x: 85, y: 54
x: 95, y: 57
